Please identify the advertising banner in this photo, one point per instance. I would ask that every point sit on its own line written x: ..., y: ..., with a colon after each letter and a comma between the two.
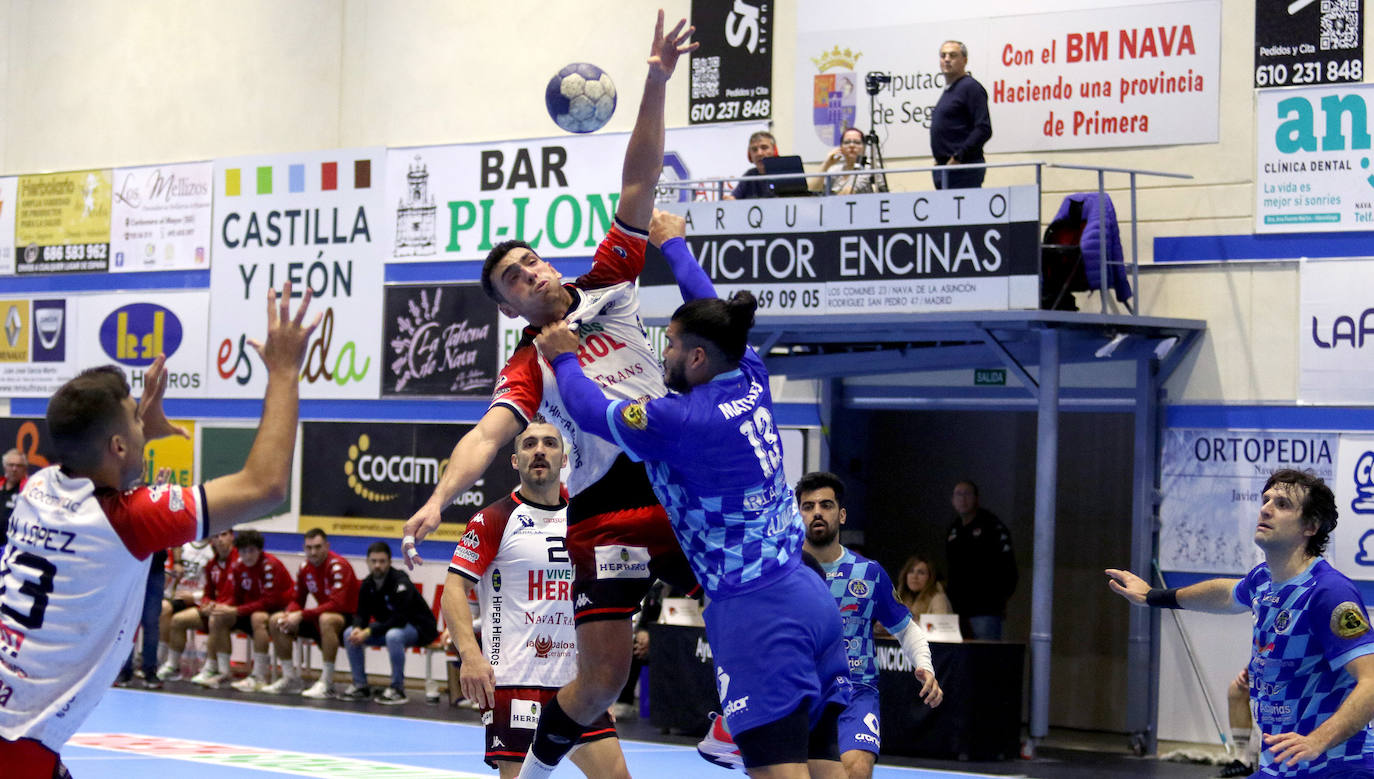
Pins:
x: 366, y: 479
x: 1335, y: 322
x: 1086, y: 78
x: 313, y: 219
x: 161, y: 217
x: 910, y: 252
x: 34, y: 357
x: 132, y: 329
x: 1305, y: 43
x: 732, y: 71
x: 559, y: 194
x: 224, y: 450
x: 1211, y: 482
x: 30, y: 436
x: 440, y: 340
x: 176, y: 454
x: 9, y: 190
x: 1352, y: 547
x: 1312, y: 159
x: 62, y: 222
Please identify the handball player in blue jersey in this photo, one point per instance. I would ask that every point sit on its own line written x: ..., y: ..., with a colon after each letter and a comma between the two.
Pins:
x: 714, y: 459
x: 1312, y: 661
x: 864, y: 593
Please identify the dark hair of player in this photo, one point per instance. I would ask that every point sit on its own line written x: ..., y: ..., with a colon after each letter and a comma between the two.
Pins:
x: 247, y: 538
x: 1318, y: 504
x: 316, y: 532
x: 495, y: 256
x: 84, y: 413
x: 724, y: 324
x: 819, y: 480
x: 379, y: 546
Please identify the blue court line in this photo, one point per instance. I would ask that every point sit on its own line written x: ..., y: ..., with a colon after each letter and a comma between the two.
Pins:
x: 399, y: 740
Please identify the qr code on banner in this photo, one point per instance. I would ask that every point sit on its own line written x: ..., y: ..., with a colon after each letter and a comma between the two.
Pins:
x: 1340, y: 27
x: 705, y: 77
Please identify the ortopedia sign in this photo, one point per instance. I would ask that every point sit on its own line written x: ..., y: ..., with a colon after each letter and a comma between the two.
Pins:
x: 912, y: 252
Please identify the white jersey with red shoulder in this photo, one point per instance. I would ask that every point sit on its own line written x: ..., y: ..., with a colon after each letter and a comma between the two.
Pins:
x: 71, y: 592
x: 515, y: 551
x: 614, y: 352
x: 195, y: 557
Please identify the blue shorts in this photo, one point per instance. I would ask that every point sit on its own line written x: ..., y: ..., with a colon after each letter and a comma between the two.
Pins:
x: 858, y: 723
x: 776, y: 648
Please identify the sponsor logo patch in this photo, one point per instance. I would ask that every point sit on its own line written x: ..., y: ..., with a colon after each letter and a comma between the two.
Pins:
x: 635, y: 416
x: 1348, y: 620
x: 524, y: 713
x: 622, y: 562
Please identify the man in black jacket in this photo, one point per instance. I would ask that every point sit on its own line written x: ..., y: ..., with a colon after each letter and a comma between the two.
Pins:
x: 392, y: 613
x: 982, y: 566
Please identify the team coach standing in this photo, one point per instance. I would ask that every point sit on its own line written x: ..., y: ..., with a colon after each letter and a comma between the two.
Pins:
x: 960, y: 124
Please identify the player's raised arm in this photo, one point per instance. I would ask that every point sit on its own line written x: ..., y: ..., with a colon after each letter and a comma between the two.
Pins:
x: 644, y: 154
x: 471, y: 457
x: 262, y: 482
x: 668, y: 232
x: 1214, y: 595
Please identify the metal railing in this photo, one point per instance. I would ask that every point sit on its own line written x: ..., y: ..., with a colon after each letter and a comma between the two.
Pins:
x: 717, y: 186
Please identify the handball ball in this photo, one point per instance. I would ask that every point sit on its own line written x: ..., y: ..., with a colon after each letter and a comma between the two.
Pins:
x: 580, y: 98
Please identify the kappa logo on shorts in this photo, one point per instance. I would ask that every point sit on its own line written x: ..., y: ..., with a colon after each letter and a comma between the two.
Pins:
x: 497, y: 743
x: 622, y: 562
x: 1348, y: 620
x: 524, y: 713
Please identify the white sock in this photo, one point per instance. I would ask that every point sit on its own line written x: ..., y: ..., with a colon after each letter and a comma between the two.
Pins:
x: 288, y: 668
x: 327, y: 675
x: 162, y: 650
x: 225, y: 664
x: 1241, y: 738
x: 533, y: 769
x: 260, y: 663
x: 174, y: 658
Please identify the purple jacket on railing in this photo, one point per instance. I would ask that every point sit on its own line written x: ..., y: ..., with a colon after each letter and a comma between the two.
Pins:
x: 1091, y: 243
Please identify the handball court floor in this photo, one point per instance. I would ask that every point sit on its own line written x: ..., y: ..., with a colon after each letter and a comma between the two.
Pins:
x: 139, y: 733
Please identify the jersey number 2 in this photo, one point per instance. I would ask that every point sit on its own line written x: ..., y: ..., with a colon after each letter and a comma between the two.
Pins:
x: 758, y: 428
x: 37, y: 585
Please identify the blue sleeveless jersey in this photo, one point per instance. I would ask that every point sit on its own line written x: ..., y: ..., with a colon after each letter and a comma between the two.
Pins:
x: 864, y: 593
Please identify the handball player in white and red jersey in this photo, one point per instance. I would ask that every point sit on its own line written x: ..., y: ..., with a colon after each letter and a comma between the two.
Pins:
x: 619, y: 538
x: 514, y: 555
x: 82, y: 534
x: 204, y: 580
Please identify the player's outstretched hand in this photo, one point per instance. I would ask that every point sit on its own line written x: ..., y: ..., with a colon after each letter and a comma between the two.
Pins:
x: 667, y: 48
x: 287, y: 337
x: 420, y: 524
x: 155, y: 422
x: 556, y: 339
x: 931, y: 693
x: 665, y: 225
x: 1128, y: 585
x: 1293, y: 747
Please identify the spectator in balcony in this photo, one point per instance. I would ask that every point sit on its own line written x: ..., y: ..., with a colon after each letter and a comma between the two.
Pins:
x: 761, y: 146
x: 960, y: 124
x: 849, y: 154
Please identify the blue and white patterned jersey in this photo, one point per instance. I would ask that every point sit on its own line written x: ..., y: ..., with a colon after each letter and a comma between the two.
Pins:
x: 714, y: 458
x: 864, y: 593
x: 1306, y: 630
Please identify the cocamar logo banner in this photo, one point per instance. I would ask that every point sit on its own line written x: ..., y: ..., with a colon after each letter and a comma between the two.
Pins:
x: 132, y: 329
x: 441, y: 340
x: 1313, y: 159
x: 952, y: 250
x: 314, y: 219
x: 558, y: 194
x: 367, y: 479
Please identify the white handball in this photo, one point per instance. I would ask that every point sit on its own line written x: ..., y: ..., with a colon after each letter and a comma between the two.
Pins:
x: 580, y: 98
